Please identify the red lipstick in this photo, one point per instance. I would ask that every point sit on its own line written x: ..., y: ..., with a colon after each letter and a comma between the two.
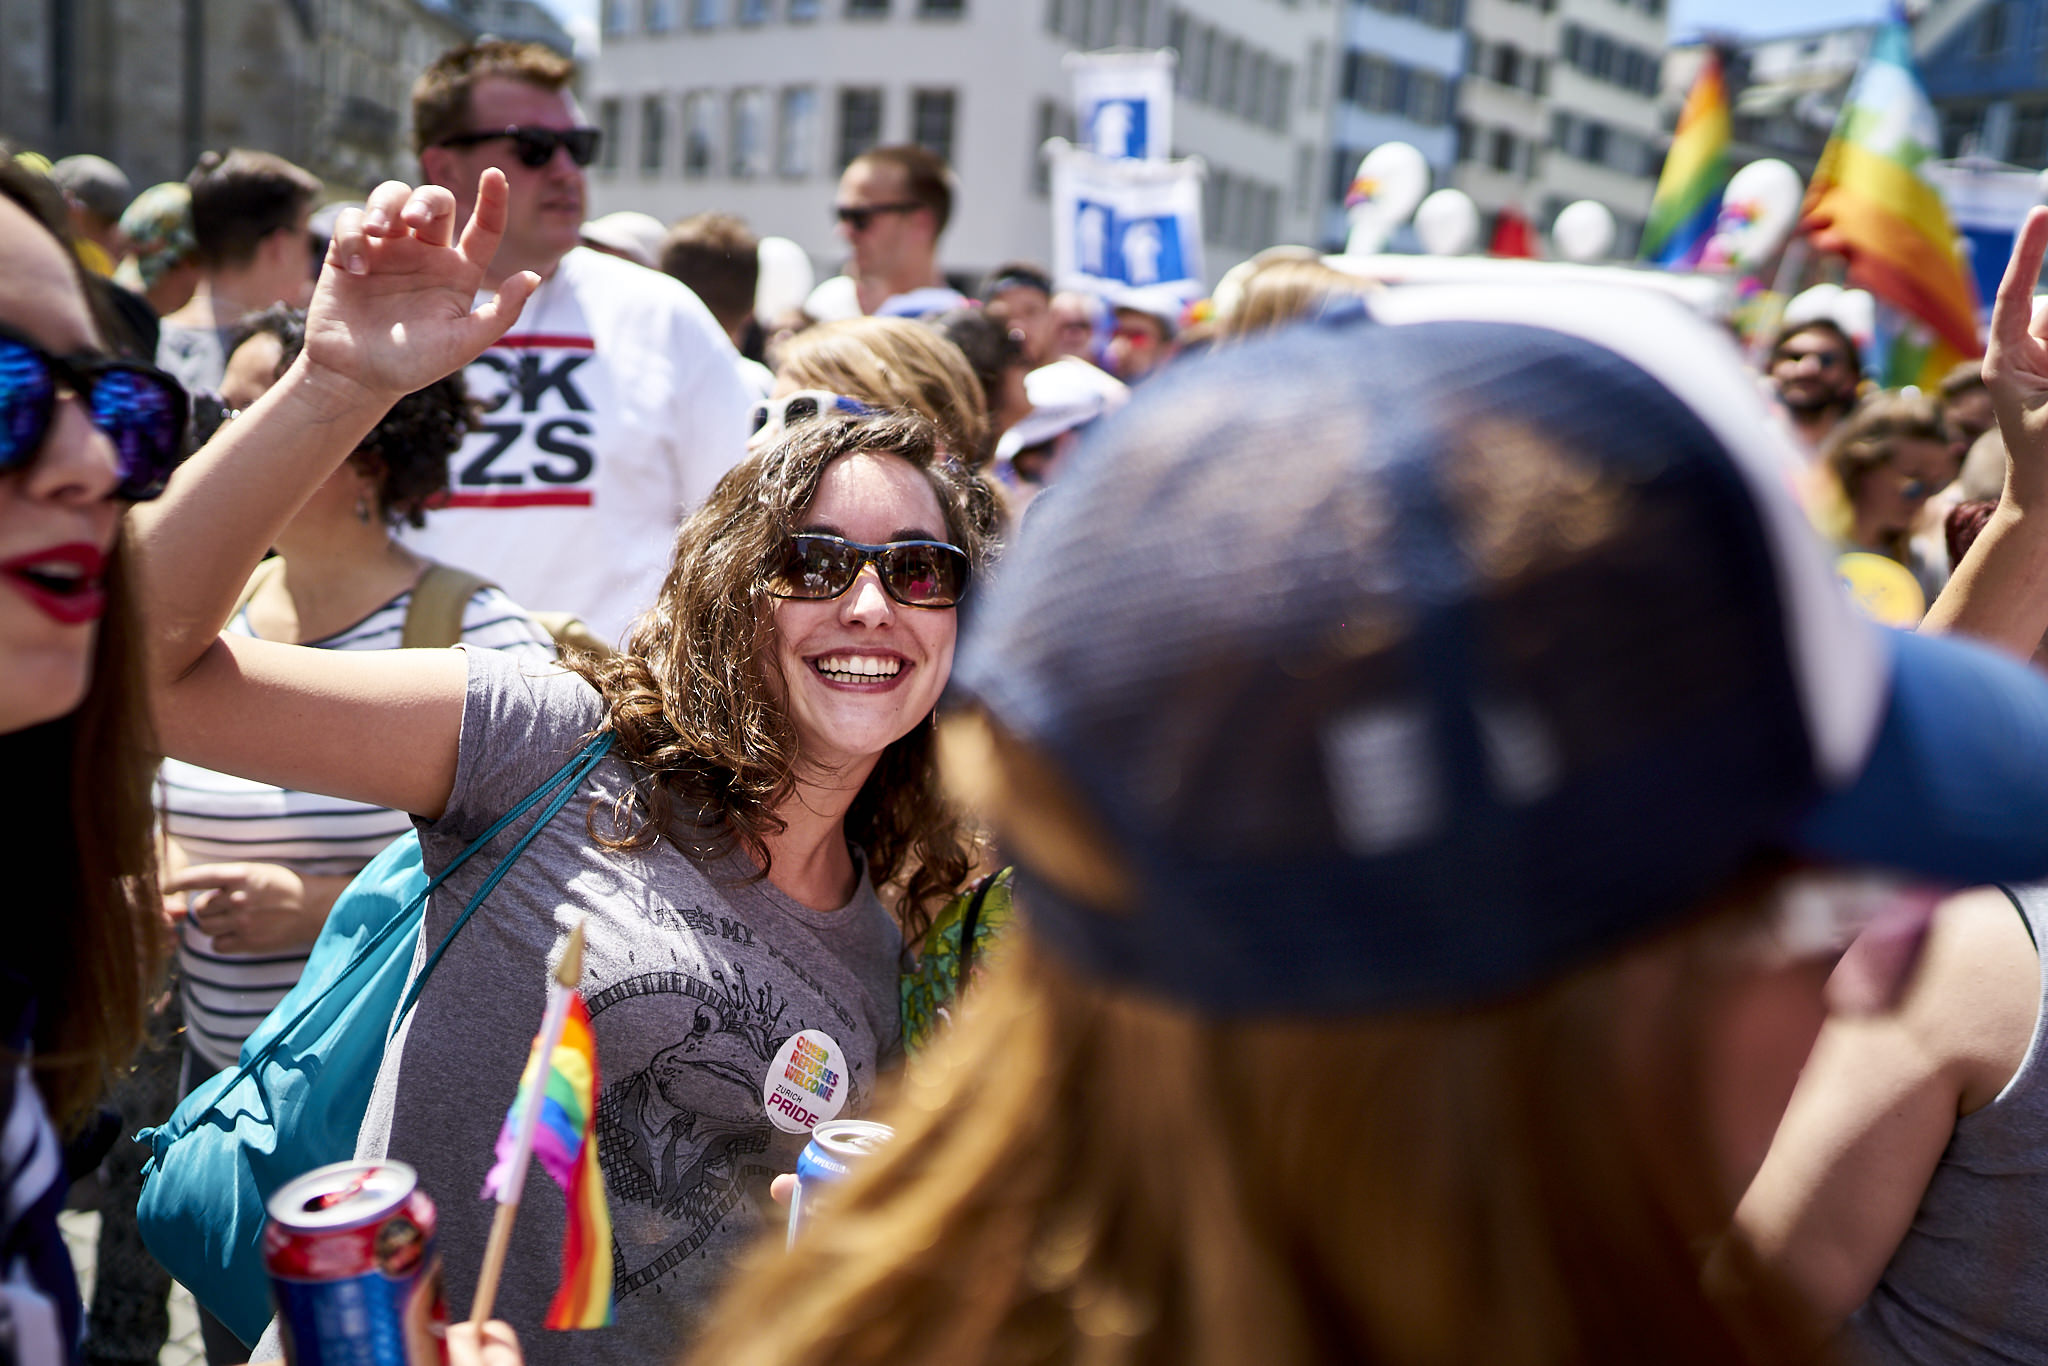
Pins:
x: 66, y: 581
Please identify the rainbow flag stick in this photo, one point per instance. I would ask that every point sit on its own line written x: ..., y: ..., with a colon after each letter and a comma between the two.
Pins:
x: 510, y: 1174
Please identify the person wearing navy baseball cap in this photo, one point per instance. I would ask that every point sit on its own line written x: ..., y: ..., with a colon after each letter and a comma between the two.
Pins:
x: 1448, y: 788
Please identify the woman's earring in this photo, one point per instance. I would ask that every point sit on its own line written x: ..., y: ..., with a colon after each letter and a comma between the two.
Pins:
x: 362, y: 509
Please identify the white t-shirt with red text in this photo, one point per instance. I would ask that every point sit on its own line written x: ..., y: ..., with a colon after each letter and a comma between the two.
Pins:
x: 608, y: 411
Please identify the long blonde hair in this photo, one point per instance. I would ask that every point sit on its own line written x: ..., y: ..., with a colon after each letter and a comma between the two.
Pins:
x: 897, y: 364
x: 1080, y: 1174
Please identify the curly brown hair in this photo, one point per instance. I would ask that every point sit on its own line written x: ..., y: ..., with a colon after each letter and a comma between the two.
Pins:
x: 688, y: 700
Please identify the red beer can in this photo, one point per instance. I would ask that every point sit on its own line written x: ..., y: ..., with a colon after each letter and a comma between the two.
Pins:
x: 353, y: 1268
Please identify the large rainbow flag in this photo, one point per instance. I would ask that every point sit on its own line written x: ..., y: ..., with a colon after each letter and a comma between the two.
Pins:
x: 1688, y: 197
x: 1869, y: 203
x: 566, y: 1144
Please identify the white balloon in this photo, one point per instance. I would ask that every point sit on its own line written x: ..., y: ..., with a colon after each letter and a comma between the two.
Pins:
x: 786, y: 278
x: 1856, y: 311
x: 1584, y: 230
x: 1759, y: 209
x: 1392, y: 179
x: 1818, y: 301
x: 1447, y: 224
x: 834, y: 299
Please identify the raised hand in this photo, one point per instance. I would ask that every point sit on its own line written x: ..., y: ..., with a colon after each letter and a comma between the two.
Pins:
x: 1999, y: 593
x: 393, y: 309
x: 2016, y: 366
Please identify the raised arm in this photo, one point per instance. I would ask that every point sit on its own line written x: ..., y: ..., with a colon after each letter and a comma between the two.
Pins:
x: 1999, y: 593
x: 392, y: 313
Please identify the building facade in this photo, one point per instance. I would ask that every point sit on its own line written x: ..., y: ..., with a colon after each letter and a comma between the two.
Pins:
x: 754, y: 107
x: 1984, y: 64
x: 150, y: 84
x: 1558, y: 102
x: 1399, y: 63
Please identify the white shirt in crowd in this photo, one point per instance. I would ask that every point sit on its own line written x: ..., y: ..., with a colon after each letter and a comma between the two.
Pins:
x: 610, y: 410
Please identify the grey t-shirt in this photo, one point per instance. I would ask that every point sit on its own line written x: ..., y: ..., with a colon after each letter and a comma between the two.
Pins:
x: 697, y: 982
x: 1965, y: 1284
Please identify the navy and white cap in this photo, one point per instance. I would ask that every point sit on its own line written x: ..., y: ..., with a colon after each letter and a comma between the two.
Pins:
x: 1414, y: 660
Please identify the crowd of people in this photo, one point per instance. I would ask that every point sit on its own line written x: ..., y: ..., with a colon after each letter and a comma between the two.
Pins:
x: 1485, y: 890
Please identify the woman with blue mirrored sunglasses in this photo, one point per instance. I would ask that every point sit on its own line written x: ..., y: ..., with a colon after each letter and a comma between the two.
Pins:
x: 139, y: 408
x: 78, y: 434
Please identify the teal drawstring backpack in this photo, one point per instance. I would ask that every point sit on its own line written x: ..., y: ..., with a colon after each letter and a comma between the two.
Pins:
x: 303, y: 1086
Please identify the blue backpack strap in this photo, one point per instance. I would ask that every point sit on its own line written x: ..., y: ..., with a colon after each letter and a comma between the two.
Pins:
x: 567, y: 778
x: 570, y: 778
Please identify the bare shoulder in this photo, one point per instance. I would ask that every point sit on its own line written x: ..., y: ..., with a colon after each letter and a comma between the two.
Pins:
x: 1978, y: 993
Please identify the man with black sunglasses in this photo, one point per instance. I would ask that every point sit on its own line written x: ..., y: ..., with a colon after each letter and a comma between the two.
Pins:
x: 893, y: 204
x: 614, y: 406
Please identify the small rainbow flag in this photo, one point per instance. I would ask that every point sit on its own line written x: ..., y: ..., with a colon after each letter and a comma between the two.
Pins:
x: 1868, y: 202
x: 565, y: 1141
x: 1688, y: 198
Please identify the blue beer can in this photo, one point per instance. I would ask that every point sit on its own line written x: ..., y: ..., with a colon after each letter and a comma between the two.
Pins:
x: 835, y: 1147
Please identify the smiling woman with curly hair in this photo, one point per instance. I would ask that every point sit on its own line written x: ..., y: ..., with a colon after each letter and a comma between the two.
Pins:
x: 769, y: 768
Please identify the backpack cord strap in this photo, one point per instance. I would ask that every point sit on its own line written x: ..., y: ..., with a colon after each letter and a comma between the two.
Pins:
x: 574, y: 772
x: 588, y: 759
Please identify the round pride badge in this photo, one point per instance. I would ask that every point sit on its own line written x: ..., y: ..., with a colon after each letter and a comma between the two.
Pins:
x: 806, y: 1082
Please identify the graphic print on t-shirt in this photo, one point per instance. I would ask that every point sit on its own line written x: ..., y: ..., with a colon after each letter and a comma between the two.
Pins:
x: 682, y: 1131
x: 533, y: 447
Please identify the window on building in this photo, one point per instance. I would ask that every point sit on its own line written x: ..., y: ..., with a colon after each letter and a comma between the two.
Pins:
x: 1500, y: 149
x: 1232, y: 75
x: 796, y: 132
x: 608, y: 119
x: 1177, y: 39
x: 617, y: 18
x: 1056, y: 16
x: 804, y: 10
x: 860, y: 122
x: 658, y: 16
x: 1139, y: 23
x: 1305, y: 179
x: 2029, y: 145
x: 1100, y: 28
x: 1507, y: 64
x: 700, y: 133
x: 1427, y: 98
x: 1318, y: 58
x: 1281, y: 98
x: 705, y: 13
x: 1195, y: 76
x: 1467, y: 139
x: 653, y: 134
x: 941, y: 9
x: 931, y: 120
x: 1055, y: 120
x: 1994, y: 29
x: 1573, y: 38
x: 749, y: 133
x: 866, y: 9
x: 1593, y: 141
x: 1254, y: 105
x: 753, y: 12
x: 1959, y: 128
